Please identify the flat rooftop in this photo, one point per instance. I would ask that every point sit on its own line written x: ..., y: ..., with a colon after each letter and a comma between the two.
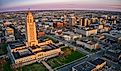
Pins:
x: 113, y: 35
x: 112, y: 54
x: 87, y: 29
x: 85, y: 66
x: 42, y: 39
x: 97, y: 61
x: 22, y: 54
x: 16, y: 44
x: 88, y: 41
x: 48, y: 48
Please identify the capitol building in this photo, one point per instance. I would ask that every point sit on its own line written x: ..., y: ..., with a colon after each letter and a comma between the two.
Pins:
x: 31, y: 51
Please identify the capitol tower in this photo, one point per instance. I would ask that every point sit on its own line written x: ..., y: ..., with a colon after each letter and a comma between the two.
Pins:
x: 31, y: 30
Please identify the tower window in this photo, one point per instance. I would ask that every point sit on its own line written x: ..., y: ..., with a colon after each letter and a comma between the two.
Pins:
x: 30, y: 20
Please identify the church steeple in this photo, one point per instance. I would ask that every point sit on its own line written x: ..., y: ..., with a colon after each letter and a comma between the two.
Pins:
x: 31, y: 30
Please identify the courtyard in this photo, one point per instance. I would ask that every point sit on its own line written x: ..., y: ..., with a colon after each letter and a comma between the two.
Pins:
x: 68, y: 56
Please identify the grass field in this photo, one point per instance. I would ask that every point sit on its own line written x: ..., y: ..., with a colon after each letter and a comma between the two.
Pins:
x: 3, y: 49
x: 5, y: 65
x: 33, y: 67
x: 68, y: 56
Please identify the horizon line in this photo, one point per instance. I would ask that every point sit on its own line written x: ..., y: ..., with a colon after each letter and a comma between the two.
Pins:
x: 9, y: 10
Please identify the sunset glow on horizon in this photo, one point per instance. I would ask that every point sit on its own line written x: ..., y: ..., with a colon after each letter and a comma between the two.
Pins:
x: 60, y: 4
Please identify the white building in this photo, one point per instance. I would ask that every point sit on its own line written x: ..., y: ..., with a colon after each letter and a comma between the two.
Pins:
x: 71, y: 36
x: 88, y: 44
x: 87, y: 31
x: 67, y: 37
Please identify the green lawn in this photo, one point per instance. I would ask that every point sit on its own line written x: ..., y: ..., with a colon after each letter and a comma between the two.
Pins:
x: 34, y: 67
x: 64, y: 59
x: 5, y: 65
x: 3, y: 49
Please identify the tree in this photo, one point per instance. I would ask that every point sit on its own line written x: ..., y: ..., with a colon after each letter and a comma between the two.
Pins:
x: 67, y: 52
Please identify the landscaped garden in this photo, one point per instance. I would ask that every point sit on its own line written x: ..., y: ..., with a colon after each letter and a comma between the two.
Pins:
x: 33, y: 67
x: 68, y: 56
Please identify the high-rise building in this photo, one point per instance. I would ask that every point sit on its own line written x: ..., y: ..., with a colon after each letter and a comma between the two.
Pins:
x: 85, y: 21
x: 89, y: 22
x: 82, y: 21
x: 65, y: 19
x: 94, y: 20
x: 73, y: 21
x: 31, y: 31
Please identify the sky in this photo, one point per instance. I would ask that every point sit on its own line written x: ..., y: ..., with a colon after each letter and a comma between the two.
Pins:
x: 6, y: 5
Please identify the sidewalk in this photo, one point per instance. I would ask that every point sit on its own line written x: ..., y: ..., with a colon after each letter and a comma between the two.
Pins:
x: 47, y: 66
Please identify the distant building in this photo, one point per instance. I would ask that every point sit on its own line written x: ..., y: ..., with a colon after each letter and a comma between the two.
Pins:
x: 94, y: 65
x: 88, y: 44
x: 113, y: 36
x: 100, y: 37
x: 67, y: 37
x: 1, y: 36
x: 106, y: 28
x: 94, y: 20
x: 0, y: 40
x: 100, y: 26
x: 9, y: 31
x: 10, y: 38
x: 58, y: 24
x: 99, y: 64
x: 9, y: 34
x: 87, y: 31
x: 71, y: 36
x: 84, y: 66
x: 119, y: 40
x: 6, y: 23
x: 73, y: 21
x: 113, y: 55
x: 58, y: 32
x: 65, y: 19
x: 41, y: 33
x: 85, y: 22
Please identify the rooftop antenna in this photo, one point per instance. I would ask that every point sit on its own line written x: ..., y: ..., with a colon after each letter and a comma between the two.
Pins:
x: 29, y: 9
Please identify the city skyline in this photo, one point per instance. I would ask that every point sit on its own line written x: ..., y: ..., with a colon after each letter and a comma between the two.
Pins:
x: 60, y: 40
x: 110, y: 5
